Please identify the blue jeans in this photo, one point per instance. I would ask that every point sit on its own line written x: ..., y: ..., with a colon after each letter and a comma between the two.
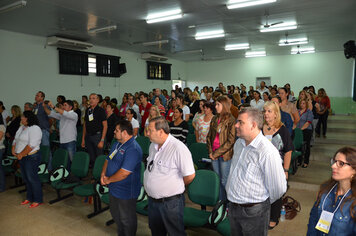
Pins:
x: 45, y: 142
x: 2, y: 173
x: 29, y: 168
x: 222, y: 168
x: 166, y: 217
x: 249, y: 221
x: 71, y: 147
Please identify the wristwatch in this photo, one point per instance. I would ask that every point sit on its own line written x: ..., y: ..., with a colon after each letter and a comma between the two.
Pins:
x: 102, y: 140
x: 286, y: 170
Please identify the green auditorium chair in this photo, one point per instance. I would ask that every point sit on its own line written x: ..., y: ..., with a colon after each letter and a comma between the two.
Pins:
x: 199, y: 151
x: 59, y: 158
x: 298, y: 150
x: 144, y: 142
x: 88, y: 190
x: 224, y: 227
x: 191, y: 139
x: 79, y: 170
x: 142, y: 201
x: 204, y: 190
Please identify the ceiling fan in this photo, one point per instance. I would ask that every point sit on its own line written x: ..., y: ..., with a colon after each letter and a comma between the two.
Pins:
x: 267, y: 25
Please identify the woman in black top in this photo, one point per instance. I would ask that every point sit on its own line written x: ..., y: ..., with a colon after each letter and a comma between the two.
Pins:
x: 179, y: 127
x: 14, y: 123
x: 112, y: 118
x: 278, y: 134
x: 79, y: 113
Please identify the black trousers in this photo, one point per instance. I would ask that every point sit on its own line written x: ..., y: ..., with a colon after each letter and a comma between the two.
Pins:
x: 323, y: 121
x: 276, y: 210
x: 91, y: 143
x: 307, y: 135
x: 124, y: 214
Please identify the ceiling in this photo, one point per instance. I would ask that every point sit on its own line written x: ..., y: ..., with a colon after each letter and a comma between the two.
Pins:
x: 328, y: 24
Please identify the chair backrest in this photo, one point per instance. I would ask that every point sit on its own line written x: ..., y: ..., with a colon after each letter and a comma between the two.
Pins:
x: 199, y: 151
x: 60, y: 157
x: 79, y: 136
x: 142, y: 171
x: 191, y: 139
x: 98, y: 166
x: 298, y: 139
x: 9, y: 149
x: 80, y: 164
x: 45, y: 150
x: 144, y: 142
x: 204, y: 189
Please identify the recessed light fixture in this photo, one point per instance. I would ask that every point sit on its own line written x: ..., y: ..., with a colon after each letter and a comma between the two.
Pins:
x: 164, y: 16
x: 283, y: 26
x: 155, y: 42
x: 238, y: 46
x: 303, y: 50
x: 210, y: 34
x: 255, y: 54
x: 13, y: 6
x: 103, y: 29
x: 190, y: 51
x: 233, y: 4
x: 295, y: 41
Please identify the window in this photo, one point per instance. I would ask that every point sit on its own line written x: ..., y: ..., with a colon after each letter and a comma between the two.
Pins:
x: 107, y: 66
x: 73, y: 62
x: 92, y: 64
x: 158, y: 71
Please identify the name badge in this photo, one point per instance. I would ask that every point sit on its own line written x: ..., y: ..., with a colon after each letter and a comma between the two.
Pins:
x: 91, y: 117
x: 191, y: 104
x: 36, y: 111
x: 142, y: 112
x: 219, y: 130
x: 324, y: 222
x: 122, y: 109
x: 111, y: 156
x: 171, y: 114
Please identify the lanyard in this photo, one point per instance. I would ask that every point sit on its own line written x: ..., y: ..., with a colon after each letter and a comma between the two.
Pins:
x: 111, y: 156
x: 339, y: 202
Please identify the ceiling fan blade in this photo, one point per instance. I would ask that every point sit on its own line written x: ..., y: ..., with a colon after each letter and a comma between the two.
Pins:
x: 276, y: 23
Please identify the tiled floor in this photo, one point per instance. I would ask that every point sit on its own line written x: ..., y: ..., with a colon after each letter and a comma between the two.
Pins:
x: 68, y: 217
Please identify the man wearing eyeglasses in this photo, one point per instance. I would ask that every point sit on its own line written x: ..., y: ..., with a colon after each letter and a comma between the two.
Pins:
x: 121, y: 172
x: 170, y: 167
x: 256, y: 177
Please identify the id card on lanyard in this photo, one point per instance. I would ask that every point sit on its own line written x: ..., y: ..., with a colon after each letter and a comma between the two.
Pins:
x: 91, y: 115
x: 111, y: 156
x: 326, y: 217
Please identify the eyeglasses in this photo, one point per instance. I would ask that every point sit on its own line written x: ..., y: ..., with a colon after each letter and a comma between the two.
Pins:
x: 339, y: 163
x: 150, y: 166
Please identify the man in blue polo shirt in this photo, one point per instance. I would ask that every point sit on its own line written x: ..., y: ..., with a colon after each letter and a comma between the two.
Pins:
x: 121, y: 172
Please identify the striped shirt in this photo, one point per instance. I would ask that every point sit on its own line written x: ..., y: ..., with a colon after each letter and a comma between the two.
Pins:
x: 256, y: 172
x: 180, y: 131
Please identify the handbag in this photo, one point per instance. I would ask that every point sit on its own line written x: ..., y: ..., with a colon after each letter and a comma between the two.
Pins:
x: 292, y: 207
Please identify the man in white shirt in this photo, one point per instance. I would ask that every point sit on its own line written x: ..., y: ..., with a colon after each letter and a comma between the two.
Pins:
x: 263, y: 88
x: 256, y: 177
x: 67, y: 125
x: 170, y: 167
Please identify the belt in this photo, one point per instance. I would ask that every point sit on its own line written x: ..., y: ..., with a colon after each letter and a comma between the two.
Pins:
x: 246, y: 204
x: 165, y: 199
x: 31, y: 153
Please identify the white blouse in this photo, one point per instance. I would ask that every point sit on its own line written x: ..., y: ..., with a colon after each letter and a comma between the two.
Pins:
x: 25, y: 135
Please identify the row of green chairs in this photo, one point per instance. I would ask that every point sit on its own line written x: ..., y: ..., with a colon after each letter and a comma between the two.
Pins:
x: 299, y: 148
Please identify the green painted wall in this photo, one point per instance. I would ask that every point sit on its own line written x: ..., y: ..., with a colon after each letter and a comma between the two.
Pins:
x: 343, y: 105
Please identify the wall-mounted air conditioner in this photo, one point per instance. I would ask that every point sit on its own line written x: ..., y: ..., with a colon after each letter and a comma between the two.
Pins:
x: 153, y: 57
x: 67, y: 43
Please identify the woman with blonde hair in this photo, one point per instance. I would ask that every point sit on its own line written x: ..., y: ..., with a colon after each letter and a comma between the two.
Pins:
x: 220, y: 141
x: 336, y: 198
x: 194, y: 105
x: 275, y: 131
x: 154, y: 112
x: 14, y: 123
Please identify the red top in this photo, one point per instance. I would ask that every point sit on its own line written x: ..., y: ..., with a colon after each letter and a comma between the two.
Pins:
x: 324, y: 102
x: 144, y: 111
x: 169, y: 116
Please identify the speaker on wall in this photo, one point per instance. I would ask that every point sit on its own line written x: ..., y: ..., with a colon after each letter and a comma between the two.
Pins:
x: 350, y: 49
x: 122, y: 69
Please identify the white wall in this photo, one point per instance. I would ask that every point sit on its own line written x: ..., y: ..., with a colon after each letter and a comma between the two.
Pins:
x: 330, y: 70
x: 27, y: 67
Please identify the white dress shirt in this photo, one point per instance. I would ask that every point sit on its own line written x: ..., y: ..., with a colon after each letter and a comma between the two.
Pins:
x: 171, y: 163
x: 258, y: 105
x: 67, y: 125
x: 256, y: 172
x: 25, y: 135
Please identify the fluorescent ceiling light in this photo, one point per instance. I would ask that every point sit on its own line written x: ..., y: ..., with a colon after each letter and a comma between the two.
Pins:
x: 279, y: 27
x: 164, y: 16
x: 295, y: 41
x: 255, y: 54
x: 233, y: 4
x: 190, y: 51
x: 210, y: 34
x: 303, y: 50
x: 155, y: 42
x: 103, y: 29
x: 13, y: 6
x: 238, y: 46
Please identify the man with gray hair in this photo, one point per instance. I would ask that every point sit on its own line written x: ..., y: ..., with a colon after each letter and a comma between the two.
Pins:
x: 170, y: 167
x: 256, y: 177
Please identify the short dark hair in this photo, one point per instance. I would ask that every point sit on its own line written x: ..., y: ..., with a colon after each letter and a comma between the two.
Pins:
x: 42, y: 94
x: 161, y: 123
x: 125, y: 125
x: 70, y: 103
x: 85, y: 96
x: 1, y: 120
x: 31, y: 118
x: 63, y: 98
x: 144, y: 94
x: 2, y: 105
x: 133, y: 113
x: 113, y: 100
